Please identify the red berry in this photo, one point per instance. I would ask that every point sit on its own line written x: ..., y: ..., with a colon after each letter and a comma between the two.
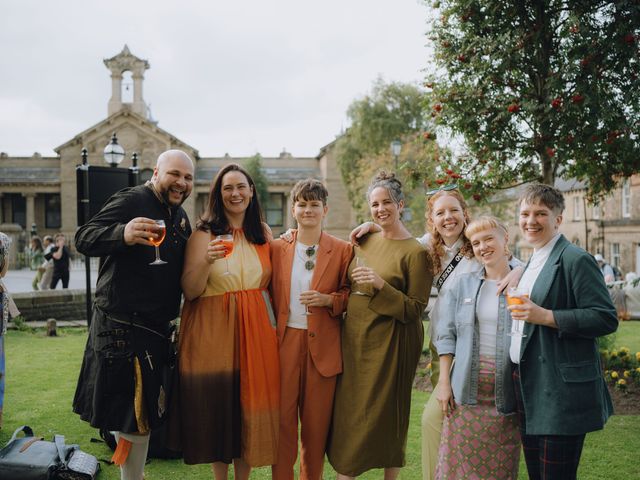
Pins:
x: 476, y: 197
x: 440, y: 181
x: 556, y: 103
x: 630, y: 38
x: 513, y: 108
x: 467, y: 185
x: 577, y: 98
x: 551, y: 152
x: 462, y: 58
x: 437, y: 107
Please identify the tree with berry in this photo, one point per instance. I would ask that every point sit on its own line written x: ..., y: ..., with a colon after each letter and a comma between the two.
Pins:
x: 538, y: 89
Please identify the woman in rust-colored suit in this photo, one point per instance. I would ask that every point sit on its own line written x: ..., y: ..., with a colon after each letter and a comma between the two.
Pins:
x: 311, y: 272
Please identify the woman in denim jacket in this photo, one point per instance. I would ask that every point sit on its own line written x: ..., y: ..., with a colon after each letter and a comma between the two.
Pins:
x: 480, y: 433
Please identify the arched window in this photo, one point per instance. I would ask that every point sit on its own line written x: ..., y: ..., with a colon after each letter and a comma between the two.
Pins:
x: 127, y: 87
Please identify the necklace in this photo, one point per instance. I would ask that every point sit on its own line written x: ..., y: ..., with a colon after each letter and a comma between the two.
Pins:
x: 310, y: 252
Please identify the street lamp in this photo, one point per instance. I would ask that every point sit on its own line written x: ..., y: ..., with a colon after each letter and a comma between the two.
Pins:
x: 113, y: 153
x: 396, y: 146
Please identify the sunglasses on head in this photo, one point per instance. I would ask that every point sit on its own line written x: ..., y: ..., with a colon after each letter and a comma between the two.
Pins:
x: 443, y: 188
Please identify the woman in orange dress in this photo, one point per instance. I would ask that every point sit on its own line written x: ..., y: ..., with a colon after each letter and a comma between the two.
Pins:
x: 226, y: 401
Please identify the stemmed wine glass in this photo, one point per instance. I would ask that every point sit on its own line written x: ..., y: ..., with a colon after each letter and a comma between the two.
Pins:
x: 227, y: 242
x: 158, y: 241
x: 306, y: 306
x: 360, y: 288
x: 514, y: 298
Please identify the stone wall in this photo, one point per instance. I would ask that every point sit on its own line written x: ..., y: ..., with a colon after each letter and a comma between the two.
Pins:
x: 59, y: 304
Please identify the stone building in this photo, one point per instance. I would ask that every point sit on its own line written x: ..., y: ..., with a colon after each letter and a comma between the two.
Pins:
x: 40, y: 192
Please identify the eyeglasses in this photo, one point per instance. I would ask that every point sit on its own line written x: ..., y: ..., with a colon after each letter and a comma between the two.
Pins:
x: 443, y: 188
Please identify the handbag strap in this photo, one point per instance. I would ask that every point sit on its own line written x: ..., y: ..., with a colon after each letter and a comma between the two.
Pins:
x: 59, y: 441
x: 27, y: 433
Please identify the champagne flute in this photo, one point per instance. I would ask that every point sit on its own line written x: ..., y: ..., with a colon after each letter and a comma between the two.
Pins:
x: 306, y: 306
x: 360, y: 289
x: 227, y: 242
x: 514, y: 297
x: 158, y: 241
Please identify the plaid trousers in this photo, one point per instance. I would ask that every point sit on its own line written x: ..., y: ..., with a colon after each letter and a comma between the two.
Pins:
x: 548, y: 457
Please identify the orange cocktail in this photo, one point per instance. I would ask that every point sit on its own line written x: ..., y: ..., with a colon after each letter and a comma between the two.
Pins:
x: 161, y: 234
x: 228, y: 247
x: 516, y: 299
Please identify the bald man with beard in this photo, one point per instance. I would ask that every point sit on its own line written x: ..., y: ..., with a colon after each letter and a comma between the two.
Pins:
x: 123, y: 382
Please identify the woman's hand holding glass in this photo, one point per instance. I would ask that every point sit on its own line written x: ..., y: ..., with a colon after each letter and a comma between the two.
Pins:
x: 218, y: 248
x: 527, y: 311
x: 366, y: 276
x: 313, y: 298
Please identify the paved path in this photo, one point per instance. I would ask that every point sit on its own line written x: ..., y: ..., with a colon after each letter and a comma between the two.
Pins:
x: 20, y: 280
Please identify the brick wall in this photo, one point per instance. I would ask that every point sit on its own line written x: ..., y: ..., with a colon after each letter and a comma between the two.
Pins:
x: 58, y: 304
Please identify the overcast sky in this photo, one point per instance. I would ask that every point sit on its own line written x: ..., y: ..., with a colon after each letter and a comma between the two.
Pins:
x: 235, y: 76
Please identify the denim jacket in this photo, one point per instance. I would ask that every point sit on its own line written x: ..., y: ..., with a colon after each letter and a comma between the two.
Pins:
x: 457, y: 333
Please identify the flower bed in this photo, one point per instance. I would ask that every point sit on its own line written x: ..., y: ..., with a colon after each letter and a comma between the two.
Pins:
x: 622, y: 373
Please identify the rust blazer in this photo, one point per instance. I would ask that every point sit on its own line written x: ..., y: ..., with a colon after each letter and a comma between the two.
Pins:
x: 330, y: 277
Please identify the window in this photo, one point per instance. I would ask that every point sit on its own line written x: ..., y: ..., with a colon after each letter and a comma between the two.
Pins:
x: 17, y: 205
x: 275, y: 210
x: 52, y: 210
x: 576, y: 208
x: 626, y: 198
x: 596, y: 212
x: 615, y: 255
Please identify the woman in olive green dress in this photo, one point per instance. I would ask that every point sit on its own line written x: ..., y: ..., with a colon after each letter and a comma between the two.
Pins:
x: 382, y: 339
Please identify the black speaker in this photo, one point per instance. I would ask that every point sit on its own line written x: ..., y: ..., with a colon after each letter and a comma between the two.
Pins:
x: 95, y: 185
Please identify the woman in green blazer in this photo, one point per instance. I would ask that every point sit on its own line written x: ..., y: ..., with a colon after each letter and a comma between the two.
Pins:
x: 560, y: 389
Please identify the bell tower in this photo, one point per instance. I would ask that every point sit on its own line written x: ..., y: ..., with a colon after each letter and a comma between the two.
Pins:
x: 126, y: 62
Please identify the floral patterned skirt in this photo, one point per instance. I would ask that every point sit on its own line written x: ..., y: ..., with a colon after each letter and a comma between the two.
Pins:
x: 477, y: 442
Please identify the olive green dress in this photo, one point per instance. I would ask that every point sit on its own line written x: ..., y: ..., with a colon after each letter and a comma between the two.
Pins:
x: 382, y: 339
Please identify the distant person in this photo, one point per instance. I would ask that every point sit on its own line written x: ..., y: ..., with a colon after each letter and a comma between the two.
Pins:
x: 123, y: 384
x: 560, y: 391
x: 310, y: 292
x: 61, y: 256
x: 47, y: 264
x: 37, y: 259
x: 606, y: 269
x: 8, y: 310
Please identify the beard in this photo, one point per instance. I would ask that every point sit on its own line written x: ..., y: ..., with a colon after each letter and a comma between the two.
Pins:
x: 166, y: 196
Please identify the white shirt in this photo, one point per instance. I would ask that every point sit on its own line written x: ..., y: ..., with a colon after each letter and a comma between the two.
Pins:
x: 300, y: 282
x: 487, y: 306
x: 529, y: 277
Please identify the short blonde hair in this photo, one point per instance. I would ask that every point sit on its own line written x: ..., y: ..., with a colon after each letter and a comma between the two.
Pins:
x: 483, y: 223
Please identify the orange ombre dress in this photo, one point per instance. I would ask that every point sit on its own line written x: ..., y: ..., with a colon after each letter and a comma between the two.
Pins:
x: 227, y: 396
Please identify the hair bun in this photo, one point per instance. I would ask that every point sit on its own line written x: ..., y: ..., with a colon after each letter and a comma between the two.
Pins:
x: 383, y: 175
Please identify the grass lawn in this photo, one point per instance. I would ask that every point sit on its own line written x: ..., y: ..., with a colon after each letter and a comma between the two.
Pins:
x: 42, y: 372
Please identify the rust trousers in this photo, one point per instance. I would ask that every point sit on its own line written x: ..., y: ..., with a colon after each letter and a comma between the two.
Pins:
x: 304, y: 394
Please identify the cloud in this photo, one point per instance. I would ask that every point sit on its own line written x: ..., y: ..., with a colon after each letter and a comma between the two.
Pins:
x: 234, y: 77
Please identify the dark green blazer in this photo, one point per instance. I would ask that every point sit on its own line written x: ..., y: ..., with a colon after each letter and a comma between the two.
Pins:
x: 563, y: 389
